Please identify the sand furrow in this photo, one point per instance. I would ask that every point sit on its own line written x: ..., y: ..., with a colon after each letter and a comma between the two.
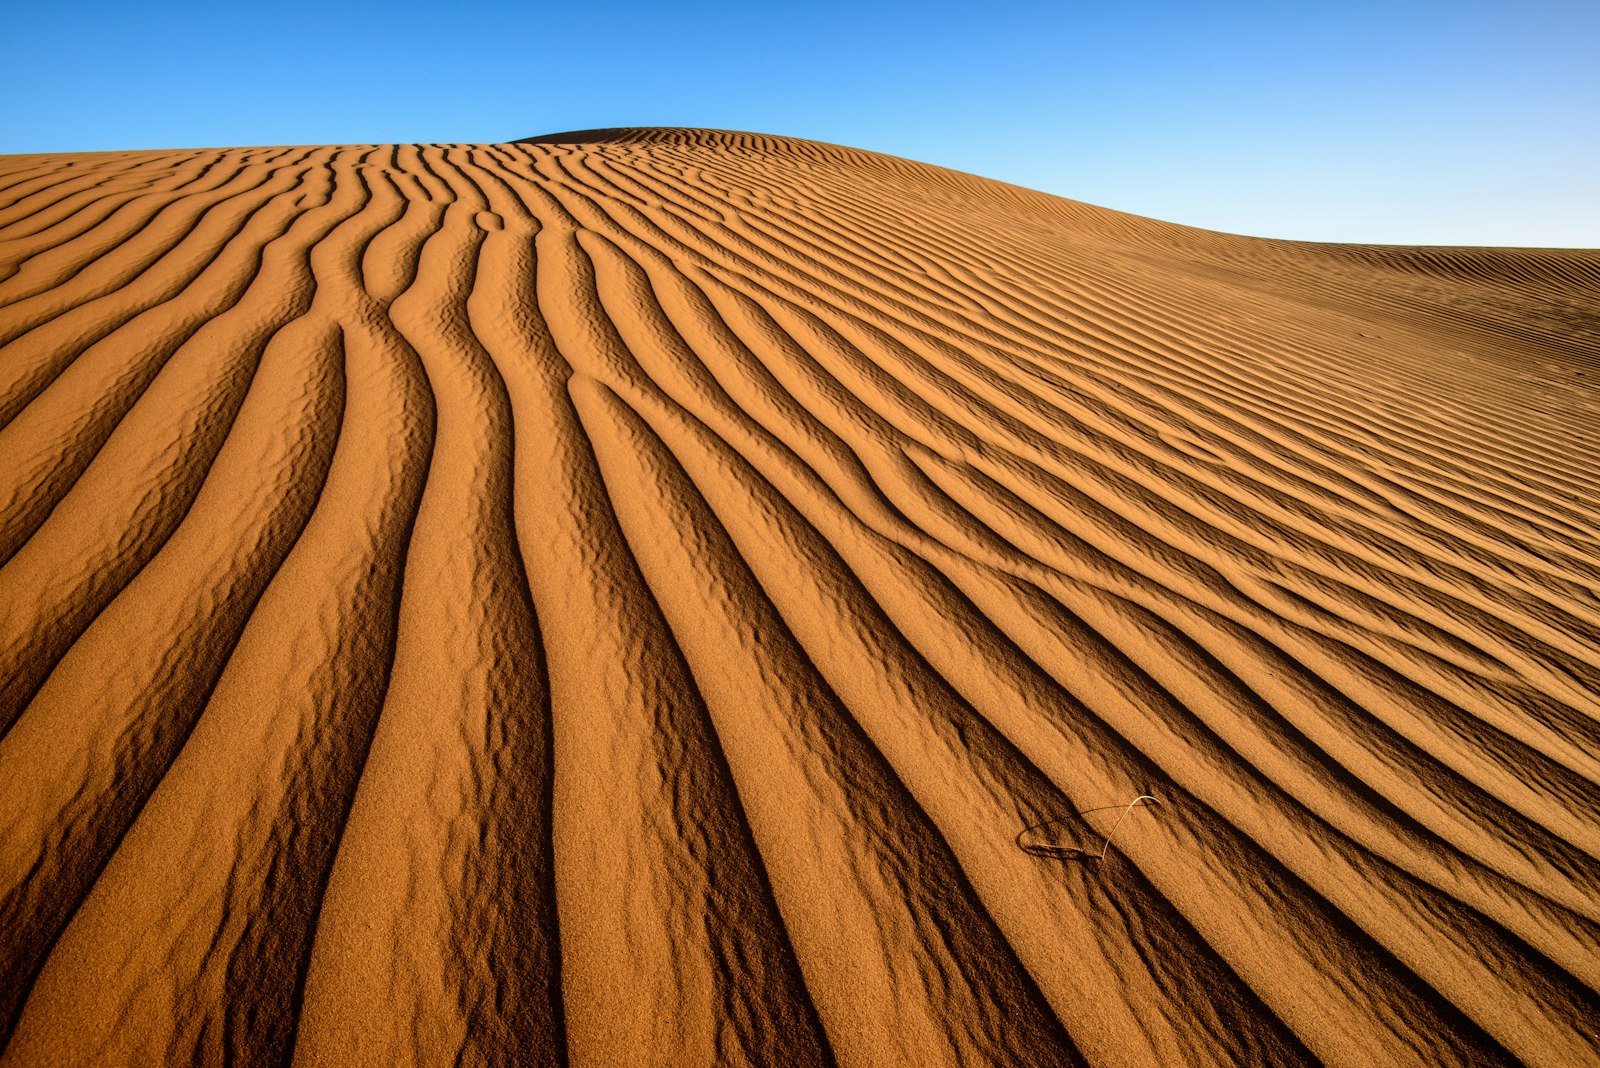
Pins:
x: 463, y: 799
x: 899, y: 936
x: 669, y: 361
x: 143, y: 453
x: 969, y: 779
x: 182, y: 234
x: 656, y: 868
x: 119, y: 706
x: 50, y: 255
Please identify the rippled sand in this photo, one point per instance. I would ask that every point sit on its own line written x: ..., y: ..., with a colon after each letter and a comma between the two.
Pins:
x: 625, y: 598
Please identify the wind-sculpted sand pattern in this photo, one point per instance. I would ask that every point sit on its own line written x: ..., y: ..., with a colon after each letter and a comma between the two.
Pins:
x: 620, y: 600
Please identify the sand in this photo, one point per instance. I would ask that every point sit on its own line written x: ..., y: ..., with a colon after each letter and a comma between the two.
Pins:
x: 624, y: 599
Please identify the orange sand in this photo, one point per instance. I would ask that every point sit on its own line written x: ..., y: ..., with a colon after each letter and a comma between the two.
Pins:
x: 617, y: 599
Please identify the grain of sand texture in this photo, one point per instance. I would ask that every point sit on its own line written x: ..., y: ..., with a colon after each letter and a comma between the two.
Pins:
x: 623, y: 598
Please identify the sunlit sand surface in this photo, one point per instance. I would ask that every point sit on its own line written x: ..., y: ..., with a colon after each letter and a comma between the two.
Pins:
x: 672, y: 597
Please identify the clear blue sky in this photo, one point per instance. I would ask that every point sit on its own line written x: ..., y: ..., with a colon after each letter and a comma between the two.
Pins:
x: 1438, y: 123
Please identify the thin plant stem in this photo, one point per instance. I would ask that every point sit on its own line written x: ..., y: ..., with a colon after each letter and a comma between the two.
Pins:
x: 1142, y: 797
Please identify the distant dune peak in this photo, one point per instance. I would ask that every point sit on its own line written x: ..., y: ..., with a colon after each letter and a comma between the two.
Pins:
x: 686, y: 135
x: 621, y: 134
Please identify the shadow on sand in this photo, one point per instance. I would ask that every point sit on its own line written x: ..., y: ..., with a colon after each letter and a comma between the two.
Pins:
x: 1055, y: 851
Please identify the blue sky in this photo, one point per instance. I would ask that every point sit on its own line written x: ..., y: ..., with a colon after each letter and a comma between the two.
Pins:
x: 1426, y: 123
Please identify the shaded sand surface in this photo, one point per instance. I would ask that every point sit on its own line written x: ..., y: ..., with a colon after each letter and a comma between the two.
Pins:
x: 619, y: 599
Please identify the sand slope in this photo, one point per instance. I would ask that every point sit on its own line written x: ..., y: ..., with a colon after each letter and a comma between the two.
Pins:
x: 616, y: 600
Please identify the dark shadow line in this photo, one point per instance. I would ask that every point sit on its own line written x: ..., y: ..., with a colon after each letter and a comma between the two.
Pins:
x: 1060, y: 852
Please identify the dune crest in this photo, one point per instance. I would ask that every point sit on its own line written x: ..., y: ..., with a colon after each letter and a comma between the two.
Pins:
x: 622, y: 597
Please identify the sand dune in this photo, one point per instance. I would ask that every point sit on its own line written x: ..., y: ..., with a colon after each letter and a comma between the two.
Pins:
x: 619, y: 599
